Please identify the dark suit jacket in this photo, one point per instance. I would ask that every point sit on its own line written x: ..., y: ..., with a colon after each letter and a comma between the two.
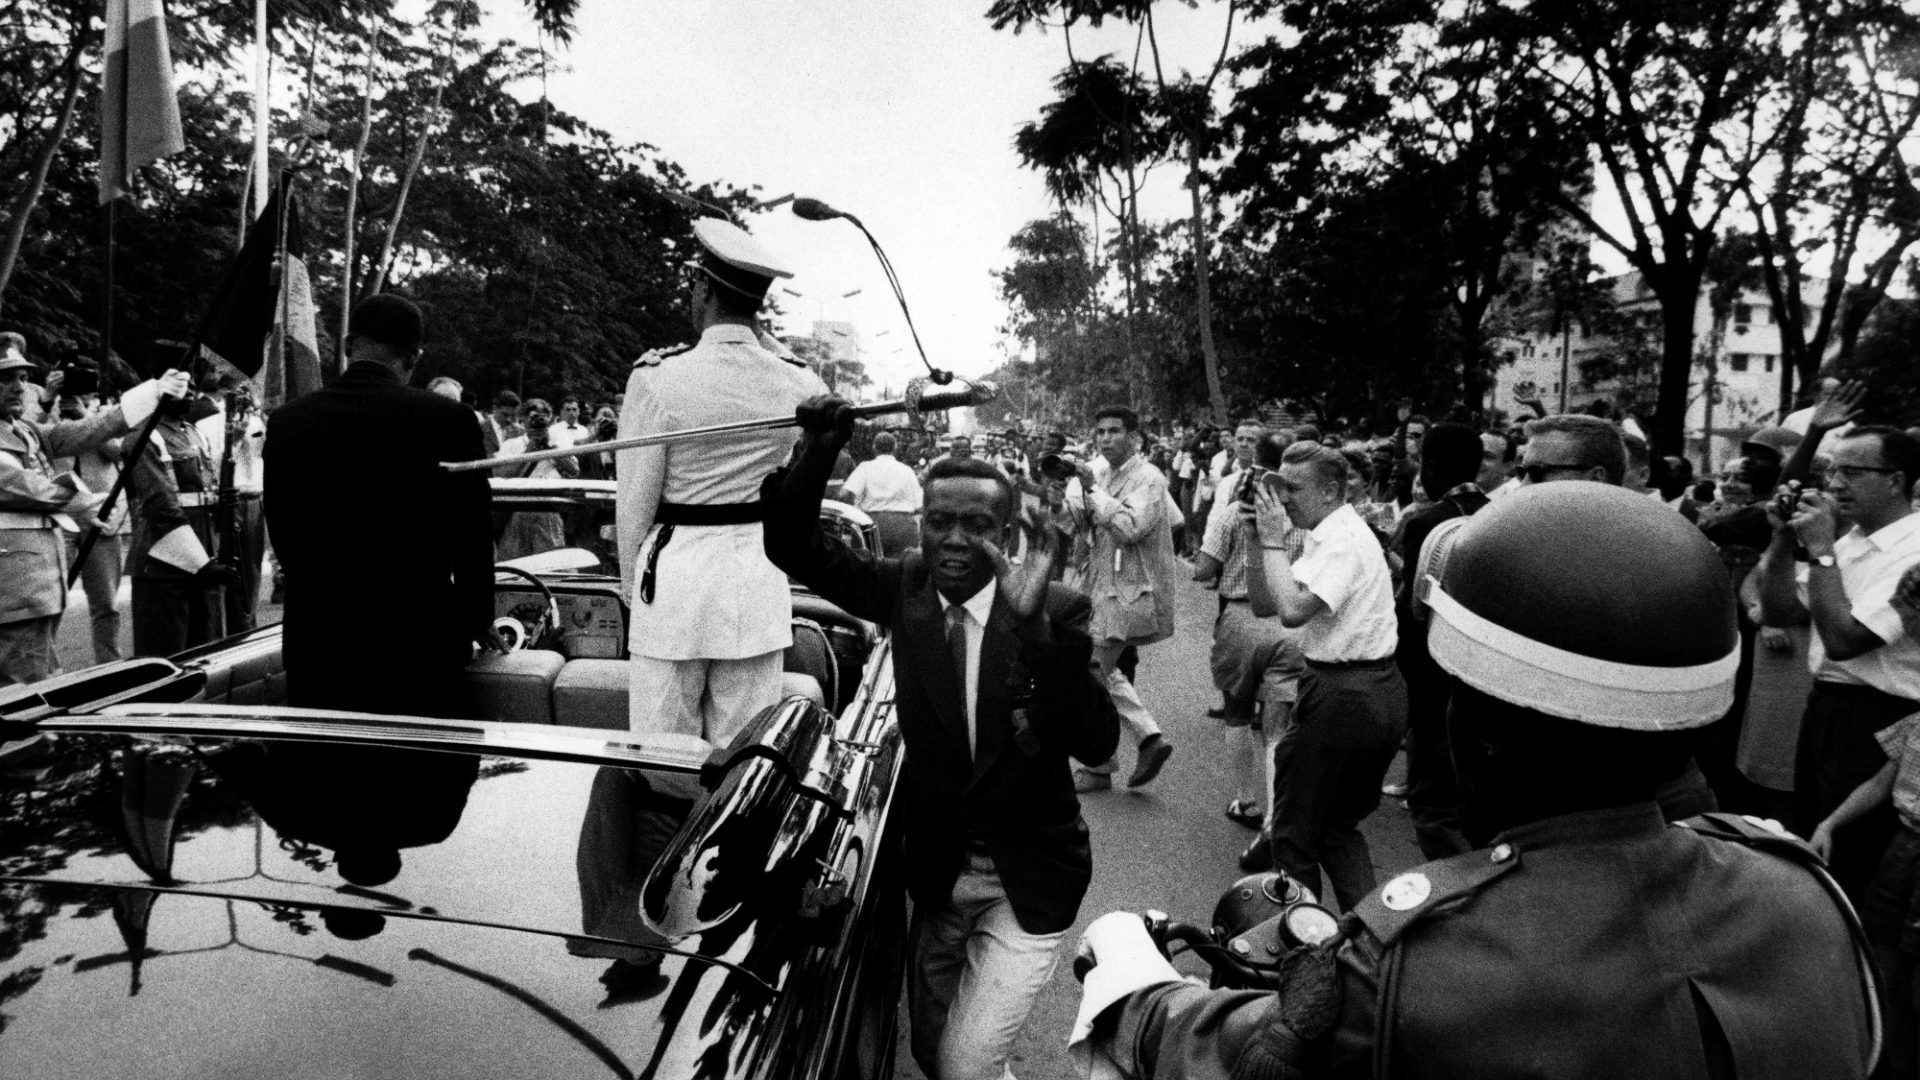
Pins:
x: 1016, y: 800
x: 388, y: 557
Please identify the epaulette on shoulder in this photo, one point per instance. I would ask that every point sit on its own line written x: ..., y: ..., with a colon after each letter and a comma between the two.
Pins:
x: 1753, y: 832
x: 1419, y: 892
x: 653, y: 357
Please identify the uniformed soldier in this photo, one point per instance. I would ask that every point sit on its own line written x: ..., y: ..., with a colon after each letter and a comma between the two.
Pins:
x: 38, y: 506
x: 1589, y: 630
x: 177, y: 583
x: 710, y: 615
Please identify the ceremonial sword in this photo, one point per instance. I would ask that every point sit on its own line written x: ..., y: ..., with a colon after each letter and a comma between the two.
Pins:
x: 920, y: 397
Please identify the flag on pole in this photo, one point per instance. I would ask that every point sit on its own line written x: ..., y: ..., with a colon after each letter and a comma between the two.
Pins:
x: 139, y: 114
x: 293, y: 351
x: 258, y: 304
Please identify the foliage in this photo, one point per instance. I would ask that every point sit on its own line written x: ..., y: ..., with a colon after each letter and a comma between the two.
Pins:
x: 544, y: 250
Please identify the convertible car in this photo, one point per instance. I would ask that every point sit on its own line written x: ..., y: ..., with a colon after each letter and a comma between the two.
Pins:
x: 196, y: 880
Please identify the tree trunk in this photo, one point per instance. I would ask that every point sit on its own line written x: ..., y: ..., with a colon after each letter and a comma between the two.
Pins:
x: 1677, y: 301
x: 353, y: 202
x: 43, y: 162
x: 1203, y: 291
x: 384, y: 263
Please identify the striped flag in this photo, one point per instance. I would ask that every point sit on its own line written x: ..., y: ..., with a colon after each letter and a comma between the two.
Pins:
x: 293, y: 350
x: 139, y: 115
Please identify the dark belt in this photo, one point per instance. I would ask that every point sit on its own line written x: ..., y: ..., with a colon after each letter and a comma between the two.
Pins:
x: 1351, y: 665
x: 670, y: 515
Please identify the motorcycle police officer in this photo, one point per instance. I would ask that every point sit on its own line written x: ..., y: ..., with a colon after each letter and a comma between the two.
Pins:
x: 1588, y: 630
x: 710, y: 615
x: 36, y: 506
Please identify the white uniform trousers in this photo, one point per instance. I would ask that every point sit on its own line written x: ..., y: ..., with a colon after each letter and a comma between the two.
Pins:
x: 712, y: 699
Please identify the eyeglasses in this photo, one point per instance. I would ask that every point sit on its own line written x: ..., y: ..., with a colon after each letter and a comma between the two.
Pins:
x: 1539, y: 471
x: 1854, y: 472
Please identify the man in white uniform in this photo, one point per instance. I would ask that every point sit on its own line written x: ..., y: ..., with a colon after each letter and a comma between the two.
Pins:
x: 710, y: 615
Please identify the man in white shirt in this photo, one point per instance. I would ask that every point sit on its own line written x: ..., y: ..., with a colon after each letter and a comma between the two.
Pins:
x: 1352, y: 708
x: 1860, y: 534
x: 569, y: 431
x: 241, y: 599
x: 890, y: 494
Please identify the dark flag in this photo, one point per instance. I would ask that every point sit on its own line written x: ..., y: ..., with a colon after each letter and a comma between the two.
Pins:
x: 256, y: 300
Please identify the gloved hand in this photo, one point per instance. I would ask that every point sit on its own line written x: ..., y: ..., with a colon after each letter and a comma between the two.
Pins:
x: 174, y: 384
x: 1125, y: 961
x: 828, y: 416
x: 217, y: 572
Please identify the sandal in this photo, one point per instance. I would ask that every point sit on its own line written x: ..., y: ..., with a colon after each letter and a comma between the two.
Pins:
x: 1246, y: 813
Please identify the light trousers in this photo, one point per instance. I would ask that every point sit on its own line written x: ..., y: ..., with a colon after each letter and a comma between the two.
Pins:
x: 975, y: 977
x: 712, y: 699
x: 1126, y: 700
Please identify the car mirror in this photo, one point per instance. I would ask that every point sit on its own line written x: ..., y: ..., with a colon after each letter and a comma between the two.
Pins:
x: 755, y: 838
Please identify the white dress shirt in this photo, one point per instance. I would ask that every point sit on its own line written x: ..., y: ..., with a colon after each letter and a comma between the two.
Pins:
x: 883, y: 485
x: 1870, y: 567
x: 246, y: 456
x: 978, y: 607
x: 1346, y: 569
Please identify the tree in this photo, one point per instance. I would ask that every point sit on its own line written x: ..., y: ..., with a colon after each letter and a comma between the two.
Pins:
x: 1839, y: 184
x: 1668, y: 97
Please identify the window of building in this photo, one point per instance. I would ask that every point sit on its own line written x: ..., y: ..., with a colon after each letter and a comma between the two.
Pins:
x: 1743, y: 313
x: 1737, y: 361
x: 1769, y: 363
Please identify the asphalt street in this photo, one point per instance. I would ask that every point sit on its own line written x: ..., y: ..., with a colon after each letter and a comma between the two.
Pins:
x: 1169, y: 845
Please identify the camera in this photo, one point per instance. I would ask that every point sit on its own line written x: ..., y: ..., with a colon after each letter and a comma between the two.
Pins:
x: 1248, y: 482
x: 607, y: 429
x: 1057, y: 467
x: 1787, y: 503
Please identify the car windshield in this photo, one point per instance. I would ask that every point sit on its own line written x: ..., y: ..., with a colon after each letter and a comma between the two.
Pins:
x: 535, y: 517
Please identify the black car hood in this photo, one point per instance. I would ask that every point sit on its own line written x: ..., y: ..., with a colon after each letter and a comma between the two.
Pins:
x: 126, y: 982
x: 176, y: 906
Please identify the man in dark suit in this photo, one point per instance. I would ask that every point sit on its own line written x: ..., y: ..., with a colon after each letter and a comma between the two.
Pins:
x: 388, y: 557
x: 994, y: 696
x: 1449, y: 466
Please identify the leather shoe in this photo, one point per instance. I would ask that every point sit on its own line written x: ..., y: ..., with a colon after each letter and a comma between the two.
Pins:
x: 1086, y: 782
x: 1154, y: 753
x: 1258, y: 858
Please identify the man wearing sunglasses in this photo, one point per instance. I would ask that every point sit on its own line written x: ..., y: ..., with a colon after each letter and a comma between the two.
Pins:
x: 1573, y: 447
x: 1860, y: 535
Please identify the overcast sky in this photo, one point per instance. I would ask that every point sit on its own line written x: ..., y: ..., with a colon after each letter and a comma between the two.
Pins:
x: 899, y: 111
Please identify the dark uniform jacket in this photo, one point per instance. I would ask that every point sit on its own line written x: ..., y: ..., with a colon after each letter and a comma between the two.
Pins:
x: 172, y: 485
x: 1592, y: 945
x: 388, y: 557
x: 1015, y: 794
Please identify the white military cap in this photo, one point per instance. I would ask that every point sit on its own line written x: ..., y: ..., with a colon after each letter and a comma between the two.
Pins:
x: 734, y: 259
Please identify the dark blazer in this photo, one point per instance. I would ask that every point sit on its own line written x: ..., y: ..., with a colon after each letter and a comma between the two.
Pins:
x: 1015, y: 794
x: 388, y: 557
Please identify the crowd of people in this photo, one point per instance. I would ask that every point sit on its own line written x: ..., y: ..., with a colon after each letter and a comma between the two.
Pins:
x: 1314, y: 543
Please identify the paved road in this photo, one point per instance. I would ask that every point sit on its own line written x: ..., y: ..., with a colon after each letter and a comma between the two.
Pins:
x: 1168, y: 846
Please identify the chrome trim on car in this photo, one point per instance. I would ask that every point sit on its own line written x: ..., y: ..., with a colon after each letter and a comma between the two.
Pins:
x: 594, y: 746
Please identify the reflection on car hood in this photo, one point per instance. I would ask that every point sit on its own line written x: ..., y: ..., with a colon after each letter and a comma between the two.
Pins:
x: 553, y: 848
x: 303, y: 905
x: 125, y: 982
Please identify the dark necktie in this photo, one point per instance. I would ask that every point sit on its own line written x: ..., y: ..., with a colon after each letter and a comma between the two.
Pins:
x: 957, y: 649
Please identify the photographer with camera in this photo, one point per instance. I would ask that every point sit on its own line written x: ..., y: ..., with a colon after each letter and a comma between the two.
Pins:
x: 1591, y: 939
x: 1860, y: 535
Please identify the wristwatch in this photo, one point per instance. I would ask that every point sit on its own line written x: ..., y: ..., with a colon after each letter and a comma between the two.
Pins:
x: 1822, y: 560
